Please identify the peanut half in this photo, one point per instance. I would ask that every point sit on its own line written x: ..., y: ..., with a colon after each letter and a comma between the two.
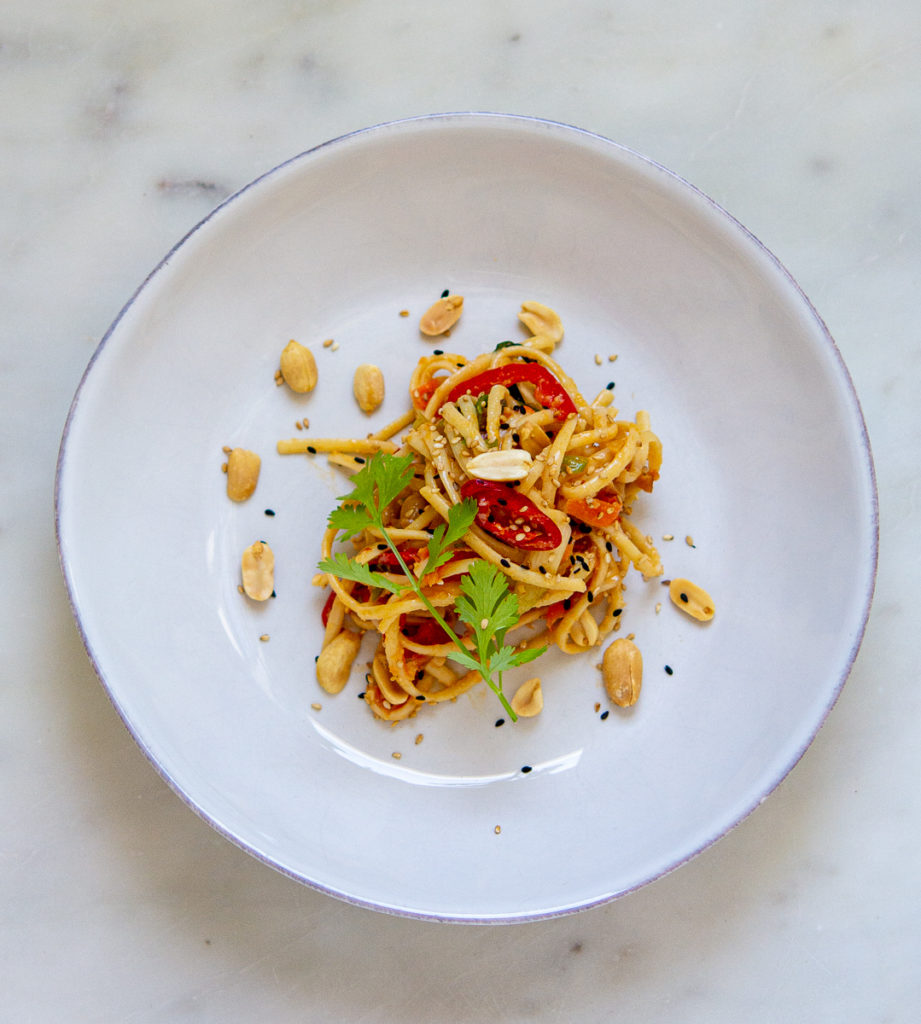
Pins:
x: 335, y: 661
x: 503, y: 464
x: 368, y: 386
x: 529, y: 699
x: 258, y: 570
x: 622, y: 670
x: 242, y: 473
x: 298, y: 367
x: 442, y: 315
x: 542, y: 320
x: 691, y: 599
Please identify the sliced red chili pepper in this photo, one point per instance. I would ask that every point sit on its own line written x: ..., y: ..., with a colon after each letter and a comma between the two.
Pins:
x: 360, y: 592
x: 554, y: 613
x: 547, y: 389
x: 511, y: 517
x: 425, y: 632
x: 386, y: 560
x: 424, y: 392
x: 597, y: 511
x: 327, y: 608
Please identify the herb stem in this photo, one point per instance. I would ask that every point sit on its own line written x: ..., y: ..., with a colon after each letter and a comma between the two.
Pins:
x: 455, y: 639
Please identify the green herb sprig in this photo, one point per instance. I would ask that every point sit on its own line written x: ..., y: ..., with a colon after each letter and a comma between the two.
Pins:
x: 486, y: 604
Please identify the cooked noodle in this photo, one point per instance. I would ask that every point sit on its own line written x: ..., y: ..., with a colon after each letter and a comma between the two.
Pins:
x: 586, y: 470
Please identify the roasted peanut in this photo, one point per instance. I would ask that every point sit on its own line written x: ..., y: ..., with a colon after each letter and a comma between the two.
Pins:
x: 335, y: 661
x: 258, y: 571
x: 542, y: 320
x: 298, y: 367
x: 529, y: 699
x: 442, y: 315
x: 242, y: 473
x: 691, y: 599
x: 622, y: 670
x: 368, y: 386
x: 508, y: 464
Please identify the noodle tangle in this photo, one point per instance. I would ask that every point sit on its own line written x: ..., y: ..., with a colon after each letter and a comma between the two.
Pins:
x: 583, y: 471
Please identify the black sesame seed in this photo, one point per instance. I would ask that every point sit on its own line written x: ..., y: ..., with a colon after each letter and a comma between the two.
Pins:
x: 420, y: 696
x: 684, y: 597
x: 503, y: 501
x: 505, y: 563
x: 542, y: 570
x: 609, y: 545
x: 584, y: 529
x: 500, y: 721
x: 311, y: 449
x: 609, y: 386
x: 316, y: 657
x: 446, y: 293
x: 604, y: 715
x: 669, y: 671
x: 361, y: 696
x: 273, y: 594
x: 269, y: 512
x: 438, y: 352
x: 616, y: 612
x: 590, y: 596
x: 525, y: 768
x: 360, y: 458
x: 567, y: 603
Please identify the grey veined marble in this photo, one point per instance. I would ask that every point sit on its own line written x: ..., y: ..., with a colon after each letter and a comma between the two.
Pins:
x: 121, y: 126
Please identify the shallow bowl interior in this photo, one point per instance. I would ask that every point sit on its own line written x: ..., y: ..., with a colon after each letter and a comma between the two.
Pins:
x: 766, y: 468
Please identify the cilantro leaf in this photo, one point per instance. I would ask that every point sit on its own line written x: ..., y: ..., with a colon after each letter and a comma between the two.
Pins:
x: 460, y: 519
x: 463, y: 657
x: 486, y: 597
x: 485, y: 603
x: 528, y: 654
x: 348, y: 569
x: 379, y: 481
x: 508, y: 657
x: 490, y: 609
x: 350, y: 519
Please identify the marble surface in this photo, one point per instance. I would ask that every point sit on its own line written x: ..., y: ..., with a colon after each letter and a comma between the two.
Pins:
x: 121, y: 125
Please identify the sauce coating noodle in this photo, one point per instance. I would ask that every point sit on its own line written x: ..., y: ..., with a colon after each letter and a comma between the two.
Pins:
x: 562, y: 536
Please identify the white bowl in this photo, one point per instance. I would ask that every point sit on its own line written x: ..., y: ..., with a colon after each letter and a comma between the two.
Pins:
x: 767, y: 467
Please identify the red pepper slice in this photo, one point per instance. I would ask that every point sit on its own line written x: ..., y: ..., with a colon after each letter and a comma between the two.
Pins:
x: 601, y: 511
x: 426, y: 632
x: 327, y: 608
x: 424, y: 392
x: 386, y: 560
x: 511, y: 517
x: 555, y: 612
x: 547, y: 389
x: 360, y: 592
